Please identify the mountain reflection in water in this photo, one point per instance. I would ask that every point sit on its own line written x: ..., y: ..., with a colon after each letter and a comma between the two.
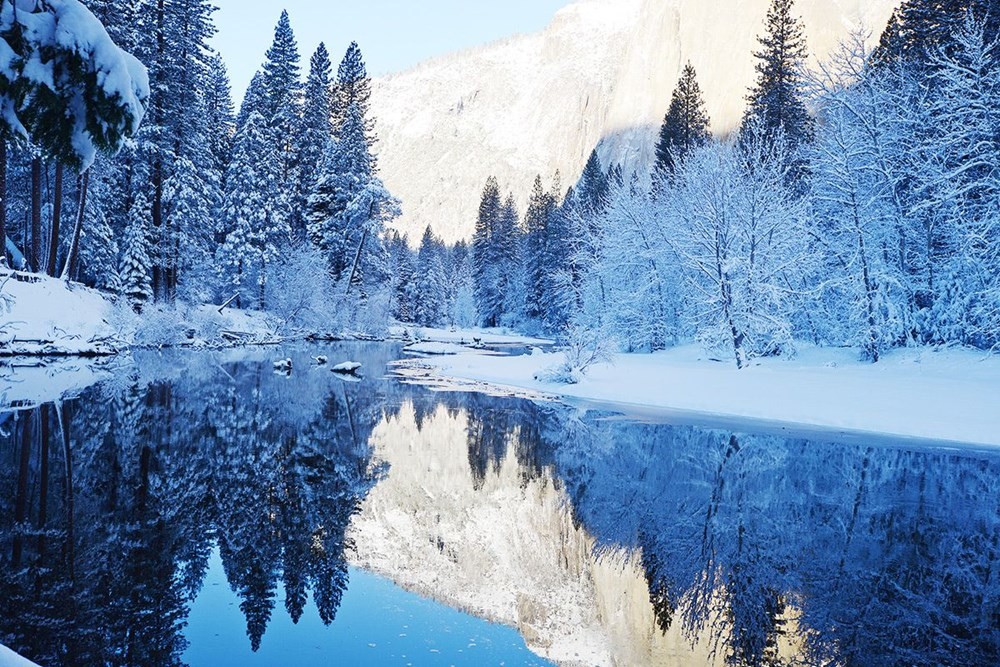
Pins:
x: 602, y: 541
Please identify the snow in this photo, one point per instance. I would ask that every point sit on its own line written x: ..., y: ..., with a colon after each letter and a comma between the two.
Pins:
x: 347, y: 367
x: 434, y: 348
x: 464, y: 336
x: 945, y: 395
x: 52, y: 316
x: 10, y: 659
x: 601, y: 75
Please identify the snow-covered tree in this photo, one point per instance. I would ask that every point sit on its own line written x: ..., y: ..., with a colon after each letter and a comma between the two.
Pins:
x: 136, y: 268
x: 353, y: 88
x: 739, y: 237
x: 316, y: 129
x: 431, y: 304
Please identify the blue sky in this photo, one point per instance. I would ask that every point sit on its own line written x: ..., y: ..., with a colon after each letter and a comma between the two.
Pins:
x: 393, y: 34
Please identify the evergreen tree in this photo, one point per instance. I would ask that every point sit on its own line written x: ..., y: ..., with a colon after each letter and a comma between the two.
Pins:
x: 254, y: 101
x: 353, y: 88
x: 256, y: 235
x: 431, y: 301
x: 922, y: 30
x: 348, y: 209
x: 219, y: 114
x: 776, y: 104
x: 685, y: 126
x: 404, y: 273
x: 538, y: 255
x: 282, y: 110
x: 484, y: 267
x: 281, y: 71
x: 594, y: 187
x: 316, y: 130
x: 134, y: 273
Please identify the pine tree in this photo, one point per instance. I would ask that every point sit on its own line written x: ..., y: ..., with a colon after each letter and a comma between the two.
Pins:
x: 685, y: 126
x: 345, y: 171
x: 353, y: 89
x: 776, y: 104
x: 593, y: 188
x: 282, y: 110
x: 255, y: 235
x: 484, y: 272
x: 281, y: 70
x: 538, y: 255
x: 348, y: 209
x: 922, y: 30
x: 431, y: 287
x: 219, y: 114
x: 134, y: 272
x: 404, y: 278
x: 316, y: 130
x: 254, y: 101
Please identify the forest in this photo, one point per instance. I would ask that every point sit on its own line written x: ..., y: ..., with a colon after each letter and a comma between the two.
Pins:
x: 856, y: 204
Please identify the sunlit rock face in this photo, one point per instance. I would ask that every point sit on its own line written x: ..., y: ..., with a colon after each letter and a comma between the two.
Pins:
x: 504, y: 546
x: 600, y: 75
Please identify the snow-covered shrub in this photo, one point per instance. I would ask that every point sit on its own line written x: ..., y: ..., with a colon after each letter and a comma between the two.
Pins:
x: 301, y: 293
x: 583, y: 348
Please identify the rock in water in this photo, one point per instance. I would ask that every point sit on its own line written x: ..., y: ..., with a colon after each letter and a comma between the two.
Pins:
x: 347, y: 368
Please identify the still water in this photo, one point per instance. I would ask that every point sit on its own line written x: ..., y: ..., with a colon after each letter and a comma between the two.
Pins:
x: 197, y: 508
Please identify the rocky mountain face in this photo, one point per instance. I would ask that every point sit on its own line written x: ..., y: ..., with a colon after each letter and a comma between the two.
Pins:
x: 600, y: 75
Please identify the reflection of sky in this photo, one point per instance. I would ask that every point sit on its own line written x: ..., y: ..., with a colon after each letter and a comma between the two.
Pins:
x: 377, y: 624
x: 394, y: 34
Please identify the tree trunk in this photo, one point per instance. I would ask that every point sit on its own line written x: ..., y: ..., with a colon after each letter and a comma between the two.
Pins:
x: 57, y: 199
x: 35, y: 260
x: 74, y: 247
x: 3, y: 202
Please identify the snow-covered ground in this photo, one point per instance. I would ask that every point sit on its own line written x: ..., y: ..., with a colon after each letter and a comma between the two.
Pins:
x: 54, y: 317
x: 463, y: 336
x: 10, y: 659
x: 944, y: 395
x: 43, y: 316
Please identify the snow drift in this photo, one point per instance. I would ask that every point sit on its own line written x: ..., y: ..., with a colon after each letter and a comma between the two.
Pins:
x: 600, y: 75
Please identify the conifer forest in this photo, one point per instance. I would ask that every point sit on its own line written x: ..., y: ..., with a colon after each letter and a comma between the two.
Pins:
x: 616, y: 332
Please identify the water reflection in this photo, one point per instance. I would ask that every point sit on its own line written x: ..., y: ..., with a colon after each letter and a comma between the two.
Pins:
x: 603, y: 541
x: 112, y: 503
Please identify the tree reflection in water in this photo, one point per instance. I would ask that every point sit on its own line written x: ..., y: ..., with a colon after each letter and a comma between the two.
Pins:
x: 111, y: 505
x: 780, y: 551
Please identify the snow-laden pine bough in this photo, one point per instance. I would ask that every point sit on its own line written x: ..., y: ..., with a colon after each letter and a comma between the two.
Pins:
x: 67, y: 90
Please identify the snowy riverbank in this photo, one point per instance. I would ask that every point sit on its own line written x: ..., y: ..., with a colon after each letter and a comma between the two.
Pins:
x: 943, y: 395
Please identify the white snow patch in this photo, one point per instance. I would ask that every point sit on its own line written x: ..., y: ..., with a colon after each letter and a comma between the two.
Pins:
x: 937, y: 394
x: 52, y: 316
x: 10, y: 659
x: 464, y: 336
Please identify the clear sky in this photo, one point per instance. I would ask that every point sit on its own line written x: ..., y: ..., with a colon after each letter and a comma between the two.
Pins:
x: 393, y: 34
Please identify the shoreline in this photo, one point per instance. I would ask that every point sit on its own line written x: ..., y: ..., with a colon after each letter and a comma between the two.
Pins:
x: 926, y: 397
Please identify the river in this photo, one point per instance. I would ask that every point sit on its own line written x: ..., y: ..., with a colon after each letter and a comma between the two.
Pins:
x: 200, y: 508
